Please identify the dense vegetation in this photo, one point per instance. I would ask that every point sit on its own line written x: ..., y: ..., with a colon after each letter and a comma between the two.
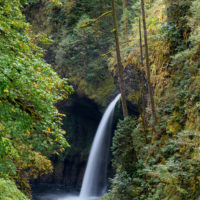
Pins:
x: 30, y: 124
x: 155, y: 156
x: 166, y: 167
x: 9, y: 191
x: 77, y: 52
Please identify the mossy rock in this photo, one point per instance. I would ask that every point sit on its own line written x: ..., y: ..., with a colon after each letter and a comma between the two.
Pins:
x: 9, y: 191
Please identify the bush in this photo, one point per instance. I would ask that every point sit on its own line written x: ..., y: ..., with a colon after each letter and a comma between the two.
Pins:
x: 9, y: 191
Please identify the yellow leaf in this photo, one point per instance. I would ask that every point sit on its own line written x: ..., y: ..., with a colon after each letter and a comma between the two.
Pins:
x: 191, y: 170
x: 113, y: 30
x: 28, y: 132
x: 6, y: 90
x: 84, y: 25
x: 182, y: 150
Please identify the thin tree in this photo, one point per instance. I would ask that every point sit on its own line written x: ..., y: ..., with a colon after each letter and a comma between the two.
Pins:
x: 124, y: 6
x: 143, y: 114
x: 150, y: 89
x: 119, y: 62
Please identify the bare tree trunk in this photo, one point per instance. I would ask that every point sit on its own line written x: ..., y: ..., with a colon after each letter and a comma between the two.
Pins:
x: 124, y: 6
x: 143, y: 84
x: 124, y: 3
x: 119, y: 63
x: 148, y: 68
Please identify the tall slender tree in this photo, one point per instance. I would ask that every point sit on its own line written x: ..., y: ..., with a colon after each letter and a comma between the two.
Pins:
x: 153, y: 109
x: 125, y: 17
x: 119, y: 62
x: 124, y: 3
x: 143, y: 114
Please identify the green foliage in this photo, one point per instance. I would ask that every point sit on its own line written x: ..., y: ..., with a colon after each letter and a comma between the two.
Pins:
x: 79, y: 55
x: 178, y: 172
x: 168, y: 168
x: 121, y: 187
x: 172, y: 173
x: 77, y: 51
x: 30, y: 124
x: 123, y: 149
x: 7, y: 154
x: 126, y: 143
x: 75, y: 46
x: 176, y: 12
x: 9, y: 191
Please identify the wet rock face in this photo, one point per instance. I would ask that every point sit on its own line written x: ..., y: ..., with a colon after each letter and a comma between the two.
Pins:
x: 81, y: 122
x: 132, y: 78
x: 133, y: 83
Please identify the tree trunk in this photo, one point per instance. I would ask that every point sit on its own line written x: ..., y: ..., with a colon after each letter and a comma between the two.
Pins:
x: 124, y: 3
x: 119, y: 63
x: 124, y: 6
x: 148, y: 68
x: 143, y: 84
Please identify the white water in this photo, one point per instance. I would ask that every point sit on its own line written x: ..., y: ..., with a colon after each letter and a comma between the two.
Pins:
x: 94, y: 181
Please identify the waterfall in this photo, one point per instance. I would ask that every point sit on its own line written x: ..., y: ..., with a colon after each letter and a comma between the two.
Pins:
x: 94, y: 181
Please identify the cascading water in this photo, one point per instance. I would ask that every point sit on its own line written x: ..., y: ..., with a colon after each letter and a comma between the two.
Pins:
x: 94, y: 181
x: 95, y: 177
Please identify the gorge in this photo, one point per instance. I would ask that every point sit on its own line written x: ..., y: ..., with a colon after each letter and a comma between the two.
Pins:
x: 63, y: 61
